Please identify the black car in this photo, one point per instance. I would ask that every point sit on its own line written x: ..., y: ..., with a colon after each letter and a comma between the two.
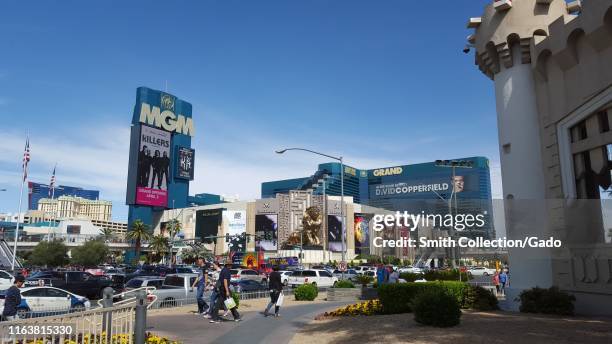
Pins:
x: 78, y: 282
x: 248, y: 285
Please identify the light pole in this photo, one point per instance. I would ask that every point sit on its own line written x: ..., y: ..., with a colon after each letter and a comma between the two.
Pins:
x: 341, y: 193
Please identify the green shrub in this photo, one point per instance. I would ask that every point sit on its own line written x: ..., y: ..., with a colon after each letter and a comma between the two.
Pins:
x: 398, y: 297
x: 410, y: 277
x: 363, y: 279
x: 446, y: 275
x: 306, y: 292
x: 547, y: 301
x: 344, y: 284
x: 480, y: 299
x: 236, y: 298
x: 435, y: 307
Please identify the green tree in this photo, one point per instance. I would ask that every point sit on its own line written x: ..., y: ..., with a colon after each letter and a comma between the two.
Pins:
x: 174, y: 227
x: 159, y: 244
x: 49, y: 253
x: 107, y: 234
x: 139, y: 233
x: 92, y: 253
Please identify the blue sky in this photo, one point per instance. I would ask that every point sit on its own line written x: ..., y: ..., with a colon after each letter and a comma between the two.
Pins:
x: 379, y: 82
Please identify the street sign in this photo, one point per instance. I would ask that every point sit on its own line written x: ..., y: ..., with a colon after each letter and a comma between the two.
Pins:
x: 342, y: 266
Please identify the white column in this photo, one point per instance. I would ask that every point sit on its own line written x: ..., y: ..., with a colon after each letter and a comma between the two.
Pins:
x: 522, y: 176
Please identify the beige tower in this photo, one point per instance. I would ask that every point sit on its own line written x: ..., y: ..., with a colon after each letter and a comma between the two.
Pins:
x: 548, y: 59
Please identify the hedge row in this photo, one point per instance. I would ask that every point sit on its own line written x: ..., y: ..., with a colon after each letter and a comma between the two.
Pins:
x: 452, y: 275
x: 399, y: 297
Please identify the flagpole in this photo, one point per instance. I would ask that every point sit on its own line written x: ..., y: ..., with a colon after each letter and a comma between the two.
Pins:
x: 17, y: 228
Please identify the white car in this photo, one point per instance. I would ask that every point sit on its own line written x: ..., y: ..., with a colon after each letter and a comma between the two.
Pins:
x: 6, y: 280
x: 247, y: 274
x: 411, y: 269
x: 48, y: 300
x: 349, y: 274
x: 362, y: 269
x: 481, y: 271
x: 285, y: 276
x: 318, y: 278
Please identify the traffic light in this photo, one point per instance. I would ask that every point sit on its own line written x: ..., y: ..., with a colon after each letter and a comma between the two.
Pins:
x: 227, y: 238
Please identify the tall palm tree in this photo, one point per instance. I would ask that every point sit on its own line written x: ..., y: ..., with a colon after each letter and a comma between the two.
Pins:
x: 139, y: 233
x: 173, y: 228
x: 107, y: 234
x: 159, y: 244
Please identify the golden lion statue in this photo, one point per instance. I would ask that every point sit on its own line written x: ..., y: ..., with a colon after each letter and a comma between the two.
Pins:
x: 311, y: 229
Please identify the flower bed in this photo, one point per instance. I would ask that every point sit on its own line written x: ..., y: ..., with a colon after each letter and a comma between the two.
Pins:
x: 371, y: 307
x: 101, y: 339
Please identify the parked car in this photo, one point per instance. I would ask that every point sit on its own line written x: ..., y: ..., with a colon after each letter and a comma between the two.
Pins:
x: 285, y: 276
x: 410, y: 269
x: 319, y: 278
x: 144, y: 281
x: 481, y: 271
x: 248, y: 285
x: 6, y: 280
x: 362, y: 269
x: 77, y: 282
x: 40, y: 301
x: 247, y: 274
x: 349, y: 274
x: 176, y: 287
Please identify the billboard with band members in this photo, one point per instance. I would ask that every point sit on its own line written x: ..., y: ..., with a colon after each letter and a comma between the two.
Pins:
x: 153, y: 167
x: 266, y: 232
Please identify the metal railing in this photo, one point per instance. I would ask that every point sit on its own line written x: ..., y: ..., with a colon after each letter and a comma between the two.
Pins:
x: 123, y: 323
x: 93, y: 324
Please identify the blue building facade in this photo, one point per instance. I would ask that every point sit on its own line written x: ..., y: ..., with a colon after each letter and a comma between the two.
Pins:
x: 425, y: 187
x: 161, y: 163
x: 36, y: 191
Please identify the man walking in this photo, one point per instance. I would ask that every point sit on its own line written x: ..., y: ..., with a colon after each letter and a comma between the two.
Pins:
x: 276, y: 288
x: 223, y: 288
x: 13, y: 299
x: 503, y: 282
x: 200, y: 283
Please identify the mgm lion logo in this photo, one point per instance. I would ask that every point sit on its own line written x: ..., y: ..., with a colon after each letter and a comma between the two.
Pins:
x: 167, y: 102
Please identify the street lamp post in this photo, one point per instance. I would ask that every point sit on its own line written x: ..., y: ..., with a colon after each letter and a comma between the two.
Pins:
x: 341, y: 193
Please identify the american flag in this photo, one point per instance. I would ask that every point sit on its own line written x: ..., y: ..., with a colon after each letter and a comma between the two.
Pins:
x: 52, y: 183
x: 26, y: 159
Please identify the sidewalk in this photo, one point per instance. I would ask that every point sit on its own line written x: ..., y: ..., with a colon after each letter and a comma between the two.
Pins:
x: 182, y: 324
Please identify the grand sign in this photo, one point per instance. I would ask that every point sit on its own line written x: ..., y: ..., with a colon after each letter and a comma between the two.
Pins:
x: 390, y: 171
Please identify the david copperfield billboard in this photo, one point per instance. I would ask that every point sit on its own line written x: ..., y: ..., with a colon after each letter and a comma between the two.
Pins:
x: 161, y: 158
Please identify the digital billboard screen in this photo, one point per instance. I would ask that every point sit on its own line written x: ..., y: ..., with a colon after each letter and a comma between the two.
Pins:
x: 207, y: 224
x: 266, y: 232
x: 153, y: 167
x: 362, y: 236
x: 334, y: 233
x: 236, y: 229
x: 185, y: 163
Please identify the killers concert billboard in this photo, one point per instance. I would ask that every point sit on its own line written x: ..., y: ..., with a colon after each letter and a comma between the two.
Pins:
x: 153, y: 167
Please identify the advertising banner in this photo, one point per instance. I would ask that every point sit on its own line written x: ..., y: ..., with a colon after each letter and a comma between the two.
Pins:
x: 334, y: 232
x: 266, y: 231
x: 153, y: 167
x: 236, y: 228
x: 362, y: 236
x: 467, y: 182
x: 207, y: 224
x: 185, y: 163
